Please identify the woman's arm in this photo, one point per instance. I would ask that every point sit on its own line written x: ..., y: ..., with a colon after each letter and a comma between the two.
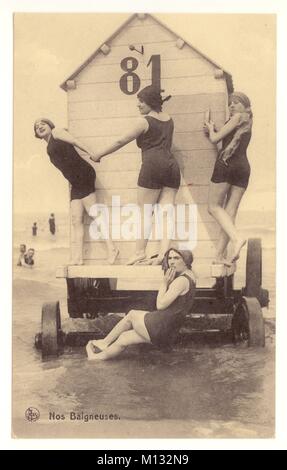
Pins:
x: 165, y: 296
x: 140, y: 126
x: 62, y: 134
x: 217, y: 136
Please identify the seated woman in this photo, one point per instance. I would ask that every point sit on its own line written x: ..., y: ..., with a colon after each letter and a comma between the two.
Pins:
x: 81, y: 176
x: 160, y: 327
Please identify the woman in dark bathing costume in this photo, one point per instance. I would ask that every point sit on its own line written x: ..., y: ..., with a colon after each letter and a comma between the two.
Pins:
x: 160, y: 327
x: 231, y: 174
x: 80, y: 174
x: 159, y: 177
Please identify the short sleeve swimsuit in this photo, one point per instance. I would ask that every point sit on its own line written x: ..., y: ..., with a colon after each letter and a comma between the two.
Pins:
x: 75, y: 169
x: 237, y: 171
x: 163, y: 325
x: 159, y: 168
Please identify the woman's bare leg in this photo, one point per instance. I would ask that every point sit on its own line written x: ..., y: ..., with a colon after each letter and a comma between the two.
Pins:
x: 113, y: 343
x: 216, y: 198
x: 113, y: 251
x: 127, y: 338
x: 231, y: 207
x: 167, y: 198
x: 133, y: 320
x: 144, y: 196
x: 77, y: 210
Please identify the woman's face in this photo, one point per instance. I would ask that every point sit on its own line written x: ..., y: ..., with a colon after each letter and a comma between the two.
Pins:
x: 42, y: 129
x: 143, y: 107
x: 235, y: 106
x: 175, y: 261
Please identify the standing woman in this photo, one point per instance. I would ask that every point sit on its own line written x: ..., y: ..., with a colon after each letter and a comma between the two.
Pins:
x: 80, y: 174
x: 159, y: 177
x: 159, y: 327
x: 231, y: 174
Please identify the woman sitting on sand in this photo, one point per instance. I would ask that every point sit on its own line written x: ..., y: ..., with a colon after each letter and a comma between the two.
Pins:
x: 231, y: 173
x: 174, y: 301
x: 80, y: 174
x: 159, y: 177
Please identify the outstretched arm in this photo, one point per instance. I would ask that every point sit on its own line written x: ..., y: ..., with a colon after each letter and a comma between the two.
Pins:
x: 140, y: 126
x: 217, y: 136
x: 62, y: 134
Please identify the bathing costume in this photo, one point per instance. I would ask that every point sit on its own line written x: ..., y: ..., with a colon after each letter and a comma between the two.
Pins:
x: 237, y: 171
x: 159, y: 168
x: 163, y: 325
x: 77, y: 171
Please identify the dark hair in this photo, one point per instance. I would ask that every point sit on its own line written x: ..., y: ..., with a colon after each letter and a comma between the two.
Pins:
x: 186, y: 255
x: 47, y: 121
x: 151, y: 95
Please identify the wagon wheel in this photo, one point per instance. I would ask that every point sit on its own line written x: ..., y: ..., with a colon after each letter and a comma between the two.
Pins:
x: 51, y: 328
x: 253, y: 268
x: 248, y: 322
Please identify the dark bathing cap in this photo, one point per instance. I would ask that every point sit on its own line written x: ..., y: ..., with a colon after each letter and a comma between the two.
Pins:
x: 186, y: 255
x: 47, y: 121
x: 151, y: 95
x: 242, y: 98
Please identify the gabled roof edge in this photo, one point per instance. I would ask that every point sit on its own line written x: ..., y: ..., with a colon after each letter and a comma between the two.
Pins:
x: 227, y: 75
x: 93, y: 55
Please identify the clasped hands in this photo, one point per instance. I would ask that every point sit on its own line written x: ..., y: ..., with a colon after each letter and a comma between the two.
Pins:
x: 95, y: 156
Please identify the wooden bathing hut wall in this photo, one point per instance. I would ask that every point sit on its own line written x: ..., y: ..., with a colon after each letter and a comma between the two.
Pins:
x: 102, y: 105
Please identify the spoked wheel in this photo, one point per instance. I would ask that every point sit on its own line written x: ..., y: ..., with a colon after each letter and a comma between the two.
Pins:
x: 248, y: 323
x: 51, y: 329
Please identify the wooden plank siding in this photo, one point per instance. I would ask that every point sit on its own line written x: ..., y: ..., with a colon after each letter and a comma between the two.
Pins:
x: 186, y: 195
x: 200, y: 232
x: 99, y: 113
x: 102, y: 127
x: 188, y: 161
x: 110, y: 90
x: 169, y: 69
x: 97, y: 250
x: 180, y: 104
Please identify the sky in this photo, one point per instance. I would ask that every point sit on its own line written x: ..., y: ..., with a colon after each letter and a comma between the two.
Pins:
x: 48, y: 47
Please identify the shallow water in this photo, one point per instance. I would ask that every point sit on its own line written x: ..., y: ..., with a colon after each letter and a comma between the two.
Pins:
x: 201, y: 389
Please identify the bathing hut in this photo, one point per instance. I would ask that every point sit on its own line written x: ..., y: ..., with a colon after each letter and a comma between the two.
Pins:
x: 102, y: 103
x: 101, y: 96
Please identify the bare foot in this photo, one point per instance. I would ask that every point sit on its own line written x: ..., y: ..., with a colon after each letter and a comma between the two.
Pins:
x: 113, y: 256
x: 136, y: 258
x: 144, y: 262
x: 92, y: 356
x: 223, y: 261
x: 99, y: 344
x: 157, y: 261
x: 237, y: 248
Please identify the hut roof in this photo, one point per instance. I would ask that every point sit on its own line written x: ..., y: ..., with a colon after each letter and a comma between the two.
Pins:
x: 227, y: 75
